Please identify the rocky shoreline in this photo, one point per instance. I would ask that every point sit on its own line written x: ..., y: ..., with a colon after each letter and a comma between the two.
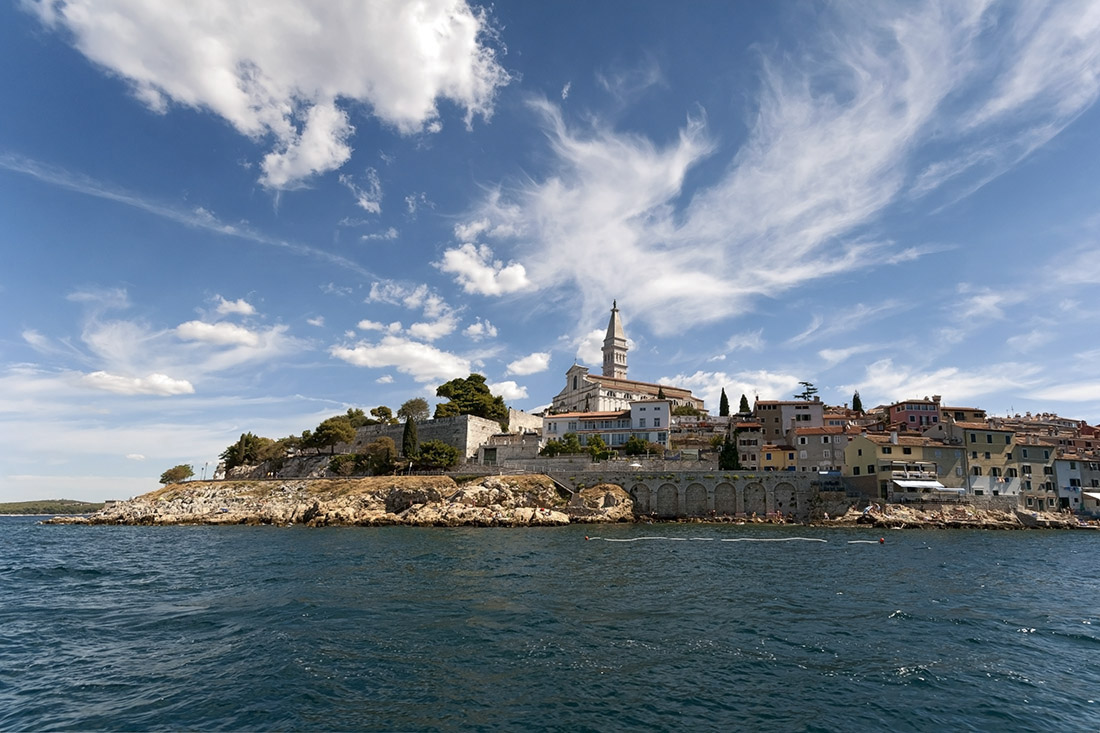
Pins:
x: 493, y: 501
x: 436, y: 501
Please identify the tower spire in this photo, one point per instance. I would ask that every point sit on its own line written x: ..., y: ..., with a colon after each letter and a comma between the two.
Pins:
x: 614, y: 346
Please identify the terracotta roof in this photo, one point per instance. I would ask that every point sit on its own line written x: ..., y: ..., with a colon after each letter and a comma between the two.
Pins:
x: 642, y: 386
x: 983, y: 426
x: 593, y: 415
x: 823, y: 430
x: 904, y: 440
x: 788, y: 402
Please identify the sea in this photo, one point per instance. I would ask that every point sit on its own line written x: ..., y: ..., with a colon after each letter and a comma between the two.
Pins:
x: 664, y: 627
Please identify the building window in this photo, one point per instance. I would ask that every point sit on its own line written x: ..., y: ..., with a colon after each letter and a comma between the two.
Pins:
x: 973, y: 437
x: 989, y: 437
x: 656, y: 422
x: 641, y: 422
x: 1008, y: 439
x: 887, y: 449
x: 767, y: 456
x: 870, y: 469
x: 977, y: 471
x: 907, y: 451
x: 855, y: 470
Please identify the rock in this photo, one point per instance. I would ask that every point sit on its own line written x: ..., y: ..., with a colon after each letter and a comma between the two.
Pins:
x: 602, y: 503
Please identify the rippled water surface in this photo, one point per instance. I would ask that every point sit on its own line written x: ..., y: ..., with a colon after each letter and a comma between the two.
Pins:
x: 231, y: 628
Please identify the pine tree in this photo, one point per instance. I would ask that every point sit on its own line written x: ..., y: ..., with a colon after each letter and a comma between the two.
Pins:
x: 660, y: 393
x: 857, y: 403
x: 410, y: 443
x: 744, y: 408
x: 724, y: 405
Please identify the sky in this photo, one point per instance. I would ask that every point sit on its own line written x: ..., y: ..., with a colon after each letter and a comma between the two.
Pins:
x: 225, y: 217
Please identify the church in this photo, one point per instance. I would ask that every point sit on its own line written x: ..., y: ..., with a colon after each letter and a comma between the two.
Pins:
x: 611, y: 391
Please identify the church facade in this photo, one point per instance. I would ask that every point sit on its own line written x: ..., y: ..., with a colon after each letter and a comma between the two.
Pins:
x: 611, y: 391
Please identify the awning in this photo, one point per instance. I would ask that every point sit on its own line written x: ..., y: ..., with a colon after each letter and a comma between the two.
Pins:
x: 933, y: 485
x: 1092, y: 494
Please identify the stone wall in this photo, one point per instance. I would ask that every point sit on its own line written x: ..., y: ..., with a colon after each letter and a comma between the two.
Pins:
x: 465, y: 432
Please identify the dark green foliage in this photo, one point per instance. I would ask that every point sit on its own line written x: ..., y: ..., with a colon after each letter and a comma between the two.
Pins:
x: 808, y: 391
x: 384, y: 415
x: 471, y: 396
x: 685, y: 411
x: 598, y: 449
x: 358, y: 418
x: 410, y: 443
x: 247, y: 451
x: 332, y: 431
x: 49, y: 506
x: 416, y: 408
x: 437, y: 454
x: 744, y: 406
x: 381, y: 456
x: 176, y: 474
x: 635, y: 446
x: 724, y: 405
x: 728, y: 459
x: 857, y: 403
x: 660, y: 393
x: 568, y: 445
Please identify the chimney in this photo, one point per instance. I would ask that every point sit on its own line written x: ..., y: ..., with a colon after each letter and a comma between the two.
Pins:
x: 894, y: 437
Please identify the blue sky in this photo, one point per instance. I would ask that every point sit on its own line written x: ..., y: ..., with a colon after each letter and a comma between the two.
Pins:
x: 229, y: 217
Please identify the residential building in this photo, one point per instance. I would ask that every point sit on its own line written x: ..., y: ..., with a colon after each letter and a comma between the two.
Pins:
x: 778, y: 457
x: 988, y: 452
x: 915, y: 414
x: 646, y: 419
x: 896, y: 466
x: 819, y: 449
x: 776, y: 417
x: 749, y: 438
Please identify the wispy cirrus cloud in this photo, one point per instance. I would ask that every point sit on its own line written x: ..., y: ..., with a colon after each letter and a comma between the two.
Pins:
x: 841, y: 131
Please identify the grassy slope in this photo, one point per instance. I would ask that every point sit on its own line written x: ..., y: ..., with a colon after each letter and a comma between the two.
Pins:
x: 49, y: 506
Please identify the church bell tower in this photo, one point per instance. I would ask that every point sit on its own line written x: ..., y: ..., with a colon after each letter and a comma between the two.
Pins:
x: 614, y: 346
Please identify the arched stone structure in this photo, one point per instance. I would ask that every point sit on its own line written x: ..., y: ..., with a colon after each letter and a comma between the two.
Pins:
x: 785, y: 499
x: 696, y: 501
x: 756, y: 498
x: 643, y: 503
x: 668, y: 501
x: 725, y: 499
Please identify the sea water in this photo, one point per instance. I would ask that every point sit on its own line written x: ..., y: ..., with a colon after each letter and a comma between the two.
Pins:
x: 640, y: 627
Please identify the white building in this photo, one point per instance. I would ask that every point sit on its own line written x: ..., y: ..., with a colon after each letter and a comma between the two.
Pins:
x: 645, y: 419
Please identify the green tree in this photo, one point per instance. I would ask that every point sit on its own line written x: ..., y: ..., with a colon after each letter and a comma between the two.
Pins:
x: 724, y: 405
x: 416, y: 408
x: 660, y: 393
x: 437, y: 454
x: 598, y: 449
x: 728, y: 459
x: 176, y: 474
x: 744, y: 408
x: 568, y: 445
x: 857, y: 403
x: 471, y: 396
x: 635, y: 446
x: 381, y: 455
x: 685, y: 411
x: 332, y: 431
x: 247, y: 451
x: 358, y: 418
x: 384, y: 415
x: 410, y: 443
x: 808, y: 391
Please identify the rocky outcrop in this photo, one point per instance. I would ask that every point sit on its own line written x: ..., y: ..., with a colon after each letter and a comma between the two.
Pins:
x: 510, y: 501
x: 602, y: 503
x: 900, y: 516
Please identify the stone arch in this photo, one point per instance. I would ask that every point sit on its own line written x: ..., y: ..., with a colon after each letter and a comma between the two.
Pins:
x: 785, y: 500
x: 642, y: 500
x: 696, y: 503
x: 668, y: 501
x: 725, y: 499
x: 756, y: 498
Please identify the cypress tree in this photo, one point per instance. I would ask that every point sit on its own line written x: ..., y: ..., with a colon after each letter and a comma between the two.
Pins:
x: 724, y: 405
x: 744, y: 406
x: 857, y: 403
x: 410, y: 444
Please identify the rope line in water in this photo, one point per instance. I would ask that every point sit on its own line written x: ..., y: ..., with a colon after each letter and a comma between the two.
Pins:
x: 709, y: 539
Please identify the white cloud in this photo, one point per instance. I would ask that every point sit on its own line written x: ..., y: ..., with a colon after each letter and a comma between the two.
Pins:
x: 419, y: 297
x: 1087, y: 392
x: 221, y: 333
x: 422, y: 362
x: 833, y: 357
x: 238, y: 307
x: 369, y: 195
x: 385, y: 236
x: 886, y: 382
x: 509, y: 390
x: 259, y: 65
x: 590, y: 346
x: 135, y: 457
x: 369, y: 325
x: 565, y: 90
x: 477, y: 272
x: 753, y: 384
x: 840, y: 132
x: 530, y: 364
x: 479, y: 330
x: 385, y: 379
x: 154, y: 384
x: 318, y: 321
x: 751, y: 340
x: 430, y: 331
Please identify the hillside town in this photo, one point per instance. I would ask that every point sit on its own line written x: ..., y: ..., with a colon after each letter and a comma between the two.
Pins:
x: 777, y: 455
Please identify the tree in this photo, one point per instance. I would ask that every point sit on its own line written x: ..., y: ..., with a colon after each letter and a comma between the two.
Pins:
x: 685, y: 411
x: 728, y: 459
x: 358, y: 418
x: 248, y: 450
x: 808, y: 391
x: 381, y: 455
x: 660, y: 393
x: 569, y: 444
x: 744, y: 408
x: 723, y: 405
x: 410, y: 443
x: 598, y: 449
x: 384, y: 415
x: 332, y: 431
x: 857, y: 403
x: 176, y: 474
x: 471, y: 396
x: 635, y: 446
x: 416, y: 408
x: 437, y: 454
